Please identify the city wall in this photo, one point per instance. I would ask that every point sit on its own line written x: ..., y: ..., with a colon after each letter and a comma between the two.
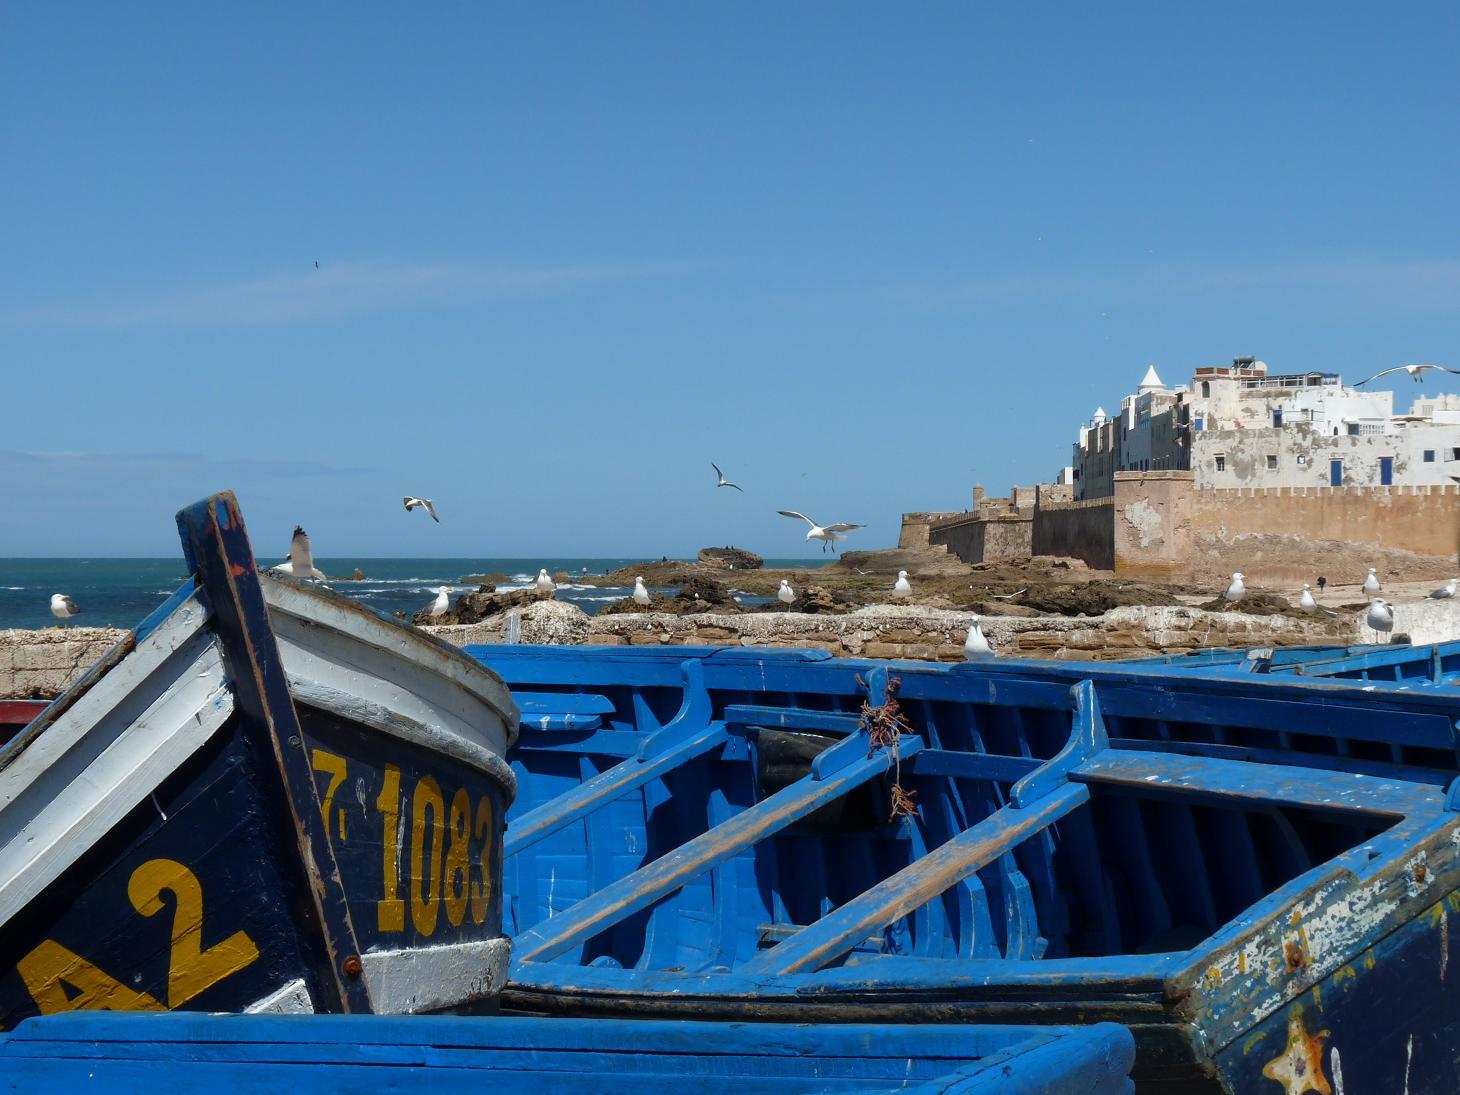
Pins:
x: 1076, y: 530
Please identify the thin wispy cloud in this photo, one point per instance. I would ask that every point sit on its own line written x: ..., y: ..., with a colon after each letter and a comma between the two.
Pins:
x: 329, y: 292
x: 1348, y: 283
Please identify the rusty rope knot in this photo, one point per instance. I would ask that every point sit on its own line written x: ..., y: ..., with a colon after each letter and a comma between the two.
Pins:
x: 885, y: 724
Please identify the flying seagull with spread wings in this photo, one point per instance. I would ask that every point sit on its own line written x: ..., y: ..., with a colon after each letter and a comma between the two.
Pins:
x: 827, y: 534
x: 422, y: 503
x: 1416, y: 373
x: 725, y: 482
x: 301, y: 558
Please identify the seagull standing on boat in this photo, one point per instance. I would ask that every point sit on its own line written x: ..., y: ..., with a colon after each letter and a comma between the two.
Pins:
x: 723, y: 481
x: 641, y: 595
x: 1445, y: 592
x: 1236, y: 591
x: 1380, y: 618
x: 62, y: 606
x: 1371, y: 584
x: 441, y: 603
x: 976, y: 647
x: 1416, y: 373
x: 828, y: 534
x: 544, y: 584
x: 301, y: 558
x: 785, y: 594
x: 422, y: 503
x: 902, y: 587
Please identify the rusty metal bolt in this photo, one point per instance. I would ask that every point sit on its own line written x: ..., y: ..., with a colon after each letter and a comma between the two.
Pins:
x: 1293, y: 955
x: 1419, y: 872
x: 353, y: 967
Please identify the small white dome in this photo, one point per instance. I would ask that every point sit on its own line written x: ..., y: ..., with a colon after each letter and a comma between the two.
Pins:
x: 1100, y: 415
x: 1151, y: 382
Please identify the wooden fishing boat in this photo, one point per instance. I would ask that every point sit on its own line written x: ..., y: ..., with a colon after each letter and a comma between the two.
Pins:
x: 257, y: 1053
x: 1256, y: 873
x: 16, y: 715
x: 264, y: 799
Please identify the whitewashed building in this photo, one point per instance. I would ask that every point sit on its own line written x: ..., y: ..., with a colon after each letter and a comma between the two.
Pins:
x: 1241, y: 426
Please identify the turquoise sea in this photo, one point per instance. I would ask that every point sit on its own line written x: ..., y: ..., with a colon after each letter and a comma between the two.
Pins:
x: 120, y: 592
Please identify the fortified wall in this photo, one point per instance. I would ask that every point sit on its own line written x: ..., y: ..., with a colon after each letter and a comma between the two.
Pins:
x: 1154, y: 522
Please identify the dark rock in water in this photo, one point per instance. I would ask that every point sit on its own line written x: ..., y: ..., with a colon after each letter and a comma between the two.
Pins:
x: 493, y: 579
x: 471, y: 608
x: 730, y: 558
x: 358, y: 576
x: 1254, y: 603
x: 701, y: 587
x: 811, y: 600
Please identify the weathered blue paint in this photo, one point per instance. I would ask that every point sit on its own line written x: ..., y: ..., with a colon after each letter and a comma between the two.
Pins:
x: 1186, y: 848
x: 196, y: 1053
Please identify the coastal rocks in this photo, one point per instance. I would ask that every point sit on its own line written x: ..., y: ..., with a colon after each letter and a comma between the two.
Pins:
x: 1254, y: 603
x: 472, y: 608
x: 1093, y: 598
x: 729, y: 558
x: 539, y: 622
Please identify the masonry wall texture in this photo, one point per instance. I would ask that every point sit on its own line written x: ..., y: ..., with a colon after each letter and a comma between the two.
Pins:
x: 1152, y: 523
x: 1076, y: 530
x: 42, y: 664
x: 984, y: 538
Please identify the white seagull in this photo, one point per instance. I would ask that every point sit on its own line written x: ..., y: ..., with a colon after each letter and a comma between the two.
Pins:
x: 641, y: 595
x: 422, y: 503
x: 441, y: 603
x: 1445, y: 592
x: 1236, y: 591
x: 301, y: 558
x: 1379, y: 617
x: 902, y: 587
x: 62, y: 606
x: 785, y: 594
x: 725, y: 482
x: 545, y: 584
x: 828, y: 534
x: 1415, y: 372
x: 1371, y: 584
x: 1309, y: 605
x: 1008, y: 596
x: 976, y: 647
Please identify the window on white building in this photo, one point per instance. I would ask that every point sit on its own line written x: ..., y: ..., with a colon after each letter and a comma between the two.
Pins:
x: 1429, y: 456
x: 1221, y: 461
x: 1455, y: 454
x: 1271, y: 462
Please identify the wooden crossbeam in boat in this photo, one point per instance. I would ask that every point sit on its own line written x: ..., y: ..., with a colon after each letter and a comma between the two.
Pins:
x: 648, y: 884
x: 916, y: 884
x: 1087, y: 735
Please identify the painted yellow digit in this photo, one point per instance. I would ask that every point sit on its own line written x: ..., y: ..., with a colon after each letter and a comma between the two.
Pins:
x: 481, y: 892
x: 60, y: 980
x: 192, y: 970
x: 335, y: 767
x: 390, y: 911
x: 426, y: 881
x: 458, y: 858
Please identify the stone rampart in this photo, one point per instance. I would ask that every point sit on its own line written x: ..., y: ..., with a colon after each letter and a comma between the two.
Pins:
x: 1076, y: 530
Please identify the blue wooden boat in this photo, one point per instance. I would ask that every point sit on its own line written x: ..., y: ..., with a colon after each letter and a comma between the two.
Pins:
x: 196, y: 1053
x: 264, y: 799
x: 1254, y: 872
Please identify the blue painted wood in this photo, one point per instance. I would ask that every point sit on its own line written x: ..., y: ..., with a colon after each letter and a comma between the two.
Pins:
x: 190, y: 1053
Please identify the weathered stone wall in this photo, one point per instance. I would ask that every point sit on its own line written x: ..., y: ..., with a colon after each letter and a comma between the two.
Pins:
x: 915, y: 526
x: 1152, y: 516
x: 1076, y: 530
x: 1423, y: 520
x: 42, y: 664
x: 985, y: 538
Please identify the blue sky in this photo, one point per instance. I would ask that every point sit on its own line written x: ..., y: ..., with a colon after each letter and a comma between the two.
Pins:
x: 861, y: 256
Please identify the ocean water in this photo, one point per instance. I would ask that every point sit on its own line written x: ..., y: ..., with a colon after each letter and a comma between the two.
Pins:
x: 120, y: 592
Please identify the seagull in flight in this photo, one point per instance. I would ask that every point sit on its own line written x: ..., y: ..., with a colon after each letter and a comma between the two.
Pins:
x: 422, y: 503
x: 827, y: 534
x: 301, y: 558
x: 62, y: 606
x: 725, y: 482
x: 1008, y: 596
x: 1416, y: 373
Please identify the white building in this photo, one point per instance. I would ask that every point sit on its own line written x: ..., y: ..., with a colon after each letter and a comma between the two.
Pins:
x: 1239, y: 426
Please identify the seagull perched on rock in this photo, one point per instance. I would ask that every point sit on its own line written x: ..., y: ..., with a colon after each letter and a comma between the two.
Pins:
x: 441, y: 603
x: 1380, y: 618
x: 976, y: 647
x: 1236, y: 591
x: 545, y: 584
x: 301, y: 558
x: 62, y: 606
x: 641, y: 595
x: 902, y: 587
x: 785, y: 594
x: 1415, y: 372
x: 725, y: 482
x: 1307, y: 603
x: 422, y: 503
x: 828, y: 534
x: 1371, y: 584
x: 1445, y: 592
